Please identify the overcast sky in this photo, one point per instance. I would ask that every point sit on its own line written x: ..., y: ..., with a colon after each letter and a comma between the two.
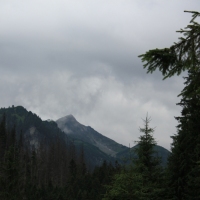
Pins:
x: 80, y: 57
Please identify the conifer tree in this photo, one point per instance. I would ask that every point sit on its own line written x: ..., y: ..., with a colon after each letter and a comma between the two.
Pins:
x: 144, y: 179
x: 148, y: 164
x: 183, y: 55
x: 3, y: 137
x: 145, y: 148
x: 3, y: 140
x: 10, y: 169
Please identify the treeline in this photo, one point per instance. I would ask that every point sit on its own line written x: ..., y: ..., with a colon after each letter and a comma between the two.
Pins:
x: 60, y: 171
x: 57, y: 171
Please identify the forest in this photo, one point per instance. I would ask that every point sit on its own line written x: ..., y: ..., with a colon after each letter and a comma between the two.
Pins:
x: 57, y: 171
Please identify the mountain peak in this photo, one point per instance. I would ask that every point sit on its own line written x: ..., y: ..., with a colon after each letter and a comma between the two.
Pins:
x: 66, y: 121
x: 69, y: 118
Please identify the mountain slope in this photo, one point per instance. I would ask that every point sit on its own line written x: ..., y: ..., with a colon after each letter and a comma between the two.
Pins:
x: 97, y: 147
x: 88, y: 135
x: 34, y: 130
x: 129, y: 153
x: 75, y: 130
x: 37, y: 133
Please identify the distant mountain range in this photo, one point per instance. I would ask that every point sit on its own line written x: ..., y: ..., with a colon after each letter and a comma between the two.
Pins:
x: 96, y: 146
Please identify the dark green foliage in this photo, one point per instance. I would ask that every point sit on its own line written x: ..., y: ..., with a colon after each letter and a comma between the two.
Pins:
x: 180, y: 56
x: 56, y: 171
x: 125, y: 185
x: 145, y: 149
x: 185, y: 146
x: 3, y: 137
x: 145, y: 178
x: 183, y: 55
x: 126, y: 155
x: 147, y: 164
x: 194, y: 183
x: 52, y: 167
x: 9, y: 168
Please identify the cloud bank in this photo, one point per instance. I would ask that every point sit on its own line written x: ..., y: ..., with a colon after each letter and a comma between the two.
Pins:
x: 81, y: 58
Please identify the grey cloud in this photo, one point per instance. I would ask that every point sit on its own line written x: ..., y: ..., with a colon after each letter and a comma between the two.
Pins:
x: 81, y: 58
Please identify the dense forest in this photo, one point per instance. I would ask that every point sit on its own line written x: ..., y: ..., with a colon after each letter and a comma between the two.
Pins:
x: 59, y: 171
x: 53, y: 171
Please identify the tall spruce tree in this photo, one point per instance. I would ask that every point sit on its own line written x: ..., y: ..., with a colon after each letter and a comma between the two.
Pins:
x: 144, y: 179
x: 145, y: 148
x: 148, y: 164
x: 181, y: 56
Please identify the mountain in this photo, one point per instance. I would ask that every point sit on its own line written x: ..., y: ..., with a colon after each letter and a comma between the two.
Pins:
x: 35, y: 131
x: 127, y: 154
x: 88, y: 135
x: 96, y: 147
x: 77, y: 131
x: 38, y: 133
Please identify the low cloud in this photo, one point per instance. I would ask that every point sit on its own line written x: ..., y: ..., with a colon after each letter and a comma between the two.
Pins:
x: 81, y: 58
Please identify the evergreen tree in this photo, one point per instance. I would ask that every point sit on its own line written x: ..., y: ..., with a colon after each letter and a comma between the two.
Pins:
x: 3, y: 140
x: 125, y: 185
x: 145, y: 148
x: 144, y: 179
x: 10, y: 169
x: 147, y: 164
x: 3, y: 137
x: 183, y: 55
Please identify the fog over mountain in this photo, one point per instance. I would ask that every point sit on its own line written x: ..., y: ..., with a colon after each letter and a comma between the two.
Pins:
x: 81, y: 57
x: 74, y: 129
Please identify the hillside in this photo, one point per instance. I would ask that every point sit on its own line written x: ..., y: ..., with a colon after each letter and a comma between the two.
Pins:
x: 37, y: 133
x: 96, y: 146
x: 75, y: 130
x: 126, y: 155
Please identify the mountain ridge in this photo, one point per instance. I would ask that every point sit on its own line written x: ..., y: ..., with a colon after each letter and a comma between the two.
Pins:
x: 97, y: 147
x: 70, y: 125
x: 38, y: 133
